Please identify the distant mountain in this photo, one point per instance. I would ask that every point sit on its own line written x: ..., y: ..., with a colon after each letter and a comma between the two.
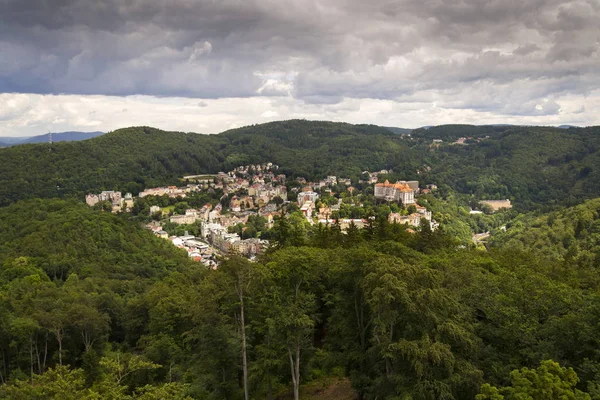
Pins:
x: 567, y: 126
x: 11, y: 141
x: 398, y: 131
x: 71, y: 136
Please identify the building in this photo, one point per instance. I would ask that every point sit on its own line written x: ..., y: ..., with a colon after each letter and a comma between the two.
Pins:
x: 154, y: 209
x: 115, y: 198
x: 183, y: 219
x: 307, y: 208
x: 399, y: 192
x: 307, y: 195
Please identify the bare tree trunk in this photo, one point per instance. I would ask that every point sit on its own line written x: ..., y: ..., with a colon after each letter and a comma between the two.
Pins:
x: 59, y: 339
x: 31, y: 359
x: 37, y: 356
x: 45, y: 351
x: 295, y: 369
x: 244, y: 357
x: 2, y: 367
x: 293, y: 372
x: 60, y: 352
x: 297, y: 388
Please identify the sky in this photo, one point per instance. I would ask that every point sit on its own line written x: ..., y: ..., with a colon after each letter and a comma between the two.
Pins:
x: 211, y: 65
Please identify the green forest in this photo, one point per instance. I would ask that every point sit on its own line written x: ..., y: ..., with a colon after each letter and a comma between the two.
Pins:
x: 94, y: 306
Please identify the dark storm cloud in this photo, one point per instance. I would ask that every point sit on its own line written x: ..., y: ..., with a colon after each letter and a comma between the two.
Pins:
x: 320, y: 51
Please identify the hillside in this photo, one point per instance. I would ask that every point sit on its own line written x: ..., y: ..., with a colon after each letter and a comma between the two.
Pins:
x: 128, y: 159
x: 398, y: 131
x: 569, y: 235
x: 133, y: 158
x: 452, y: 132
x: 313, y: 149
x: 63, y: 237
x: 535, y: 167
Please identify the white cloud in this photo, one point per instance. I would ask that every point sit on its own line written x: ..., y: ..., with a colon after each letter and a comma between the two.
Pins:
x: 33, y: 114
x: 270, y: 114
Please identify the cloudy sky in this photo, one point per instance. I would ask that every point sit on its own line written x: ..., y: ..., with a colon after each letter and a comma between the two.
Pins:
x: 210, y: 65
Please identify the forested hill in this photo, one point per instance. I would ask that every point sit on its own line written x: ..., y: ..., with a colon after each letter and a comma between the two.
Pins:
x: 65, y: 237
x: 127, y: 159
x: 314, y: 148
x: 532, y: 166
x: 570, y: 235
x: 133, y: 158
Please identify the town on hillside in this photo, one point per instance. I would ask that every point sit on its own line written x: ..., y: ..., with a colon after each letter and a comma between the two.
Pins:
x: 233, y: 212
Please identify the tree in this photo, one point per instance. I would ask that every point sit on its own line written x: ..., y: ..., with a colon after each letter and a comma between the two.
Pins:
x: 240, y: 275
x: 549, y: 381
x: 56, y: 383
x: 292, y: 304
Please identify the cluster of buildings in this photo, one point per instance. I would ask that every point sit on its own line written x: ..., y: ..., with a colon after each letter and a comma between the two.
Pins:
x: 256, y: 190
x: 171, y: 191
x: 373, y: 177
x: 117, y: 200
x: 415, y: 219
x: 197, y: 250
x: 219, y: 237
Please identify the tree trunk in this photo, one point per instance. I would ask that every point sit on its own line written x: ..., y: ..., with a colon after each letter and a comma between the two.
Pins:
x: 2, y: 368
x: 59, y: 339
x: 244, y: 358
x: 45, y: 351
x: 295, y: 369
x: 297, y: 388
x: 38, y: 357
x: 31, y: 359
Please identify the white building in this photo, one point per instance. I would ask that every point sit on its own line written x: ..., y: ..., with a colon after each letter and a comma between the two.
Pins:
x: 303, y: 197
x: 399, y: 192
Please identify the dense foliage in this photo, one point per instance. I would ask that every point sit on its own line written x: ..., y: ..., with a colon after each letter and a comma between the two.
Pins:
x: 401, y: 314
x: 570, y: 236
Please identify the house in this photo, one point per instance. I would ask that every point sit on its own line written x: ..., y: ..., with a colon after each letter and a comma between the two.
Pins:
x: 307, y: 208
